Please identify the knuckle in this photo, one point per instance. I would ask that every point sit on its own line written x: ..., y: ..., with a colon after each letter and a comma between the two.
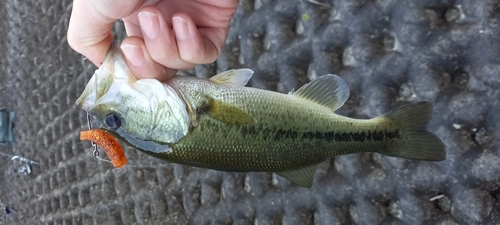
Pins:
x: 162, y: 57
x: 72, y: 40
x: 170, y: 57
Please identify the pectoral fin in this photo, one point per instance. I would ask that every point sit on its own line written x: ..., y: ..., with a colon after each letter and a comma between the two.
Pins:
x: 329, y: 90
x: 303, y: 176
x: 235, y: 78
x: 227, y: 113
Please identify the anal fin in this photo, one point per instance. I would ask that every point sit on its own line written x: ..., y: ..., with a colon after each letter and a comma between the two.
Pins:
x: 303, y: 176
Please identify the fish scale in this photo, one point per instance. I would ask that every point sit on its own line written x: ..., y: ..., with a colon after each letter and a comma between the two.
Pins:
x: 291, y: 152
x: 220, y: 138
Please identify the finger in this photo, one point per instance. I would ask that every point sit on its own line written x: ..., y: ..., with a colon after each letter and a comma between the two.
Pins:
x: 140, y: 62
x: 89, y: 31
x: 96, y: 39
x: 132, y: 29
x: 223, y: 3
x: 159, y: 39
x: 197, y: 45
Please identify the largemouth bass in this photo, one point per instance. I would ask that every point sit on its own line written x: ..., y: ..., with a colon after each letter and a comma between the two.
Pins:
x: 220, y: 124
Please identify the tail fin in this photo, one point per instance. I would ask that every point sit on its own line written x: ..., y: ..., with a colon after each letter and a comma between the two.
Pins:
x: 416, y: 141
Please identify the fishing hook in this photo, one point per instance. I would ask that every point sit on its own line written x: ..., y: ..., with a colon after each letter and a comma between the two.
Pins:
x: 95, y: 153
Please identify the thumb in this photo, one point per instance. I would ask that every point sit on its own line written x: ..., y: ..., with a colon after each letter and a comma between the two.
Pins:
x: 89, y: 31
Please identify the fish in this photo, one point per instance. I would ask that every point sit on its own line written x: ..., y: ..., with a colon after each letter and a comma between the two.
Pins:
x: 108, y: 143
x: 220, y: 124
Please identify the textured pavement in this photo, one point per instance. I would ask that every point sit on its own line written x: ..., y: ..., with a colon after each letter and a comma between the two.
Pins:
x: 390, y: 53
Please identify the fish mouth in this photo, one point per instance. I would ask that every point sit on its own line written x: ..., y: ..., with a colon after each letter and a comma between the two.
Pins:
x: 114, y: 69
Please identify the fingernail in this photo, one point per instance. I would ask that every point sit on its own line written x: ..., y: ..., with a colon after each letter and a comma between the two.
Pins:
x: 180, y: 28
x: 150, y: 24
x: 134, y: 54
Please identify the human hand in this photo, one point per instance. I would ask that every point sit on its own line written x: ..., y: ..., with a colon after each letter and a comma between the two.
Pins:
x: 163, y: 35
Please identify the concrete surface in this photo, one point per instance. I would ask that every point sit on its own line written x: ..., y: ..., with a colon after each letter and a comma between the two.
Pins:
x: 389, y: 52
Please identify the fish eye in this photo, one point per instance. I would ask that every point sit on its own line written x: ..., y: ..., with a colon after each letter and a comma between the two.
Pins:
x: 113, y: 121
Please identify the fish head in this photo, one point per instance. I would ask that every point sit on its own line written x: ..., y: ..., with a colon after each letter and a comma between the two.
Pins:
x: 137, y: 110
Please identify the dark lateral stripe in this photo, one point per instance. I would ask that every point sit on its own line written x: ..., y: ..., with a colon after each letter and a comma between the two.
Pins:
x: 351, y: 136
x: 281, y: 134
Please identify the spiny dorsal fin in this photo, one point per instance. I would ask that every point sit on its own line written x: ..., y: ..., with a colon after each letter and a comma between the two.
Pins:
x: 303, y: 176
x: 227, y: 113
x: 234, y: 78
x: 329, y: 90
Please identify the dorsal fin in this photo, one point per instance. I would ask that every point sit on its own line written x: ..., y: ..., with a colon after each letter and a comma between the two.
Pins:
x: 234, y: 78
x: 329, y: 90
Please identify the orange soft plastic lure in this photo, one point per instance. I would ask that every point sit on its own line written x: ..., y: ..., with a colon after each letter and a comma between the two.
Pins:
x: 108, y: 143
